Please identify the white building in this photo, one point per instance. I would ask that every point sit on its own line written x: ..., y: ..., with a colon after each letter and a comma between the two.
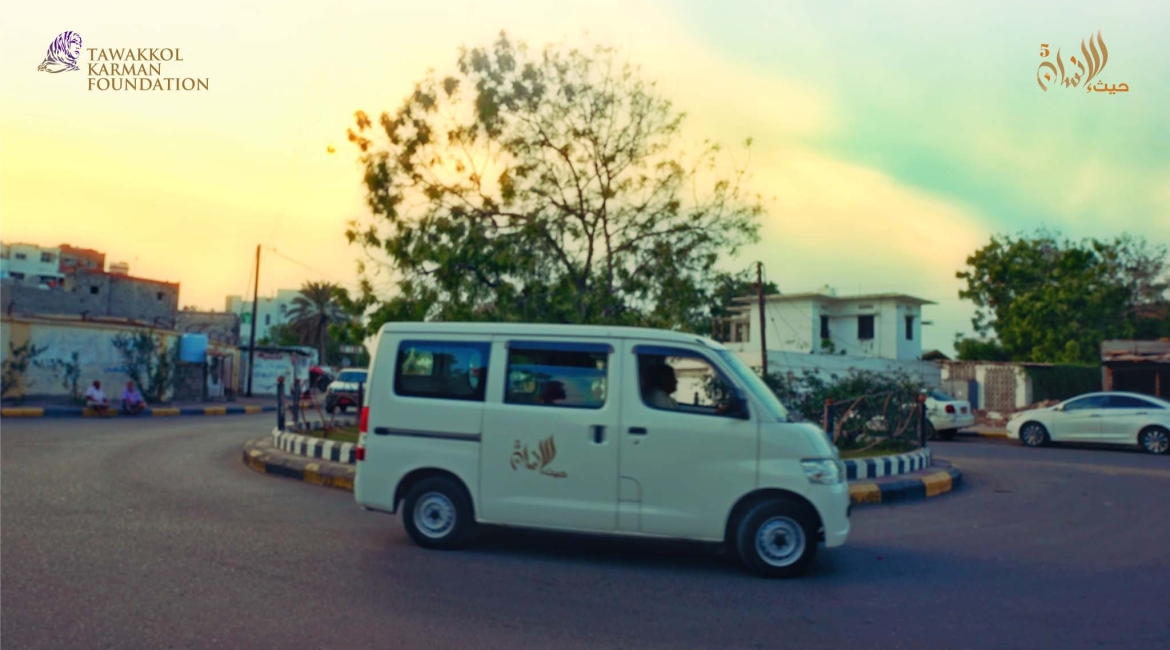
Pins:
x: 272, y: 311
x: 833, y: 334
x: 30, y: 262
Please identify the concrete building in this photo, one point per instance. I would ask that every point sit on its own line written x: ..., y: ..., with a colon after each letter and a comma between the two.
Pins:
x: 1136, y: 366
x: 95, y: 295
x: 883, y: 325
x: 75, y: 259
x: 273, y: 310
x: 832, y: 335
x: 34, y: 264
x: 217, y: 325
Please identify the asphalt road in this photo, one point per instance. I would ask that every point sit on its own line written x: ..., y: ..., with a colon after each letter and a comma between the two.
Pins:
x: 153, y: 534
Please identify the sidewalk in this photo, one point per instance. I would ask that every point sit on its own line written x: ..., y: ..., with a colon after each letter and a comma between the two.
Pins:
x: 34, y: 408
x: 985, y: 431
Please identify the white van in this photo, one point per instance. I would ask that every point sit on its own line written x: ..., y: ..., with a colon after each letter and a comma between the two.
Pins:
x: 592, y: 429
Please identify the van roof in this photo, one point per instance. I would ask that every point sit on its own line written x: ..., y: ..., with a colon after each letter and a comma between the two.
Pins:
x: 548, y: 329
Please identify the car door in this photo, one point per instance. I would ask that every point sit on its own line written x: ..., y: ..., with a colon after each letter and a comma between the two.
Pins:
x: 550, y: 447
x: 1124, y: 417
x: 1079, y: 420
x: 683, y: 463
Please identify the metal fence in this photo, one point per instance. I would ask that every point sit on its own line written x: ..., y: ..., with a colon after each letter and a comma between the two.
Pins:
x: 866, y: 421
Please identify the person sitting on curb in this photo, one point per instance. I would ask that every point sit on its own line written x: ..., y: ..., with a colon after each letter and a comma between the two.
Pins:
x: 95, y: 398
x: 132, y: 400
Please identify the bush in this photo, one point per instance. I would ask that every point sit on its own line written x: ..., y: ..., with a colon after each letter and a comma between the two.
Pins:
x: 870, y: 408
x: 1061, y: 382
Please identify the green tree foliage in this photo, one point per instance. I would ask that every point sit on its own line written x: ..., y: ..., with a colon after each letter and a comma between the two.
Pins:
x: 149, y: 362
x: 726, y: 287
x: 1048, y: 299
x: 16, y: 363
x: 314, y: 309
x: 547, y: 187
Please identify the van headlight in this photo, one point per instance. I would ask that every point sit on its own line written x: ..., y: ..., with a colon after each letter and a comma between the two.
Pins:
x: 823, y: 471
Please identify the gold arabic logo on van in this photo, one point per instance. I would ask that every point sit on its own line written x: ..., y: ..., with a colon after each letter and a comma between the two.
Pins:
x: 538, y: 459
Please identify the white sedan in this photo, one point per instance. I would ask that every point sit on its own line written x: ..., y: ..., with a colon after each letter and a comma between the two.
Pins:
x: 1117, y: 418
x: 947, y: 415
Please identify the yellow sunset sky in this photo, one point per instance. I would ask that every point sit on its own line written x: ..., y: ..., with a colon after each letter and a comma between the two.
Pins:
x: 894, y: 140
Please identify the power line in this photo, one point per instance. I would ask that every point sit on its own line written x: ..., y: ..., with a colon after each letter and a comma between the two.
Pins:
x: 319, y: 272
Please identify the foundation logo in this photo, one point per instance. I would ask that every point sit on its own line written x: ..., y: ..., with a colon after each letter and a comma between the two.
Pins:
x: 1094, y: 56
x: 63, y: 54
x: 134, y: 69
x: 537, y: 460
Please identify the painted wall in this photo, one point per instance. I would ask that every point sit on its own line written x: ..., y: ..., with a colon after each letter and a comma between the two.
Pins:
x: 272, y: 311
x: 94, y: 344
x: 825, y: 365
x: 273, y: 364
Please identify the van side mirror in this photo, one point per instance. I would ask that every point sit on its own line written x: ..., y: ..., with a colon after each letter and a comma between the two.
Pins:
x: 737, y: 405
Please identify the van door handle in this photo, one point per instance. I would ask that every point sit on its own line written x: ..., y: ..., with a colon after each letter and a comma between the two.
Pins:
x: 638, y: 431
x: 598, y: 432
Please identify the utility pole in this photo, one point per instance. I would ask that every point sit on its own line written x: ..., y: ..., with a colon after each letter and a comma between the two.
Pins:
x: 763, y: 330
x: 255, y: 309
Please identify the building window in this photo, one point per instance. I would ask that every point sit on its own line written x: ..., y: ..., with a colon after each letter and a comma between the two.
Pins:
x: 865, y: 328
x: 267, y: 319
x: 824, y: 327
x: 46, y: 257
x: 21, y: 256
x: 442, y: 370
x: 909, y: 328
x: 17, y: 276
x: 554, y: 374
x: 159, y: 295
x: 94, y: 289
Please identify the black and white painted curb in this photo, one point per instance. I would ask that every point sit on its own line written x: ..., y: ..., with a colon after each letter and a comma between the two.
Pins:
x: 331, y: 450
x: 864, y: 468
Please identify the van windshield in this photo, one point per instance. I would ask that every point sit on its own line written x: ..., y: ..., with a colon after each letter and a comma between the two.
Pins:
x: 755, y: 385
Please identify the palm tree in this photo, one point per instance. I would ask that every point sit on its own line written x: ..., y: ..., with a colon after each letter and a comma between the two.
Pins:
x: 313, y: 310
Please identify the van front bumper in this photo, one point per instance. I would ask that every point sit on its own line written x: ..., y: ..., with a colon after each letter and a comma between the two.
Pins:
x: 833, y: 504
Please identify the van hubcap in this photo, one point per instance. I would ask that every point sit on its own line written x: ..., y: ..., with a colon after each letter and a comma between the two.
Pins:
x: 780, y: 541
x: 1157, y: 441
x: 434, y: 515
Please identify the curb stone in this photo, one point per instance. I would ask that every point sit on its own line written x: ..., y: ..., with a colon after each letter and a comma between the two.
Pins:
x: 940, y: 478
x: 161, y: 411
x: 260, y: 455
x: 878, y: 466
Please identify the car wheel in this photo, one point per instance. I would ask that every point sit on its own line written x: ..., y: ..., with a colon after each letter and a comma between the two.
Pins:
x: 930, y: 431
x: 777, y: 539
x: 330, y: 409
x: 946, y: 434
x: 1155, y: 440
x: 437, y: 514
x: 1033, y: 434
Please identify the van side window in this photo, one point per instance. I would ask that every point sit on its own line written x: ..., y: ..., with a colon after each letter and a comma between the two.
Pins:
x: 675, y: 380
x: 442, y: 370
x: 557, y: 374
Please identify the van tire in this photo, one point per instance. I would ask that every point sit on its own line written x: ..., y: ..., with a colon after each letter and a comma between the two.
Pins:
x: 437, y: 514
x: 777, y: 539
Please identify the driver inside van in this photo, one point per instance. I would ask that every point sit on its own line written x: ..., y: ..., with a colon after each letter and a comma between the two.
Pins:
x: 662, y: 383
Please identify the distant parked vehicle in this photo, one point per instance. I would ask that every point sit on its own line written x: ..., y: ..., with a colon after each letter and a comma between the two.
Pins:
x: 343, y: 391
x: 947, y: 415
x: 1111, y: 418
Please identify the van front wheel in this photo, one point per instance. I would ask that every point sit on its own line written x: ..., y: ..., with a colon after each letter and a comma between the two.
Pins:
x: 777, y: 539
x: 437, y: 514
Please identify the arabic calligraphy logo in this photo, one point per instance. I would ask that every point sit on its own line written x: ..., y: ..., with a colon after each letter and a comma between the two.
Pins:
x: 1094, y: 54
x: 62, y: 54
x: 537, y: 460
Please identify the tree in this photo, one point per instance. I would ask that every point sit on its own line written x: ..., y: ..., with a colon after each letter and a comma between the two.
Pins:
x: 726, y: 288
x: 1048, y: 299
x: 314, y: 309
x: 548, y: 187
x: 149, y: 362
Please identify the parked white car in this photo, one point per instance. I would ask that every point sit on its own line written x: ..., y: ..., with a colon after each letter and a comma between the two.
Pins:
x: 588, y: 428
x: 947, y: 415
x: 1113, y: 418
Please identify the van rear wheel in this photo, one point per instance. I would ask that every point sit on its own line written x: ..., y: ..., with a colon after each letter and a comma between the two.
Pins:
x: 777, y: 539
x: 437, y: 514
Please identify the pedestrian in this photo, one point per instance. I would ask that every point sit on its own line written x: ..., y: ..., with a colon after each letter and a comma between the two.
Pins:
x: 280, y: 403
x: 95, y: 399
x: 132, y: 400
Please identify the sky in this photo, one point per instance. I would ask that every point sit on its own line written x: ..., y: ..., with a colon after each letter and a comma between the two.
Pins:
x: 896, y: 137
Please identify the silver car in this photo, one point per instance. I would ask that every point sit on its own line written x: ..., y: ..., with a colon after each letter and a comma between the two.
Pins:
x: 1111, y: 418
